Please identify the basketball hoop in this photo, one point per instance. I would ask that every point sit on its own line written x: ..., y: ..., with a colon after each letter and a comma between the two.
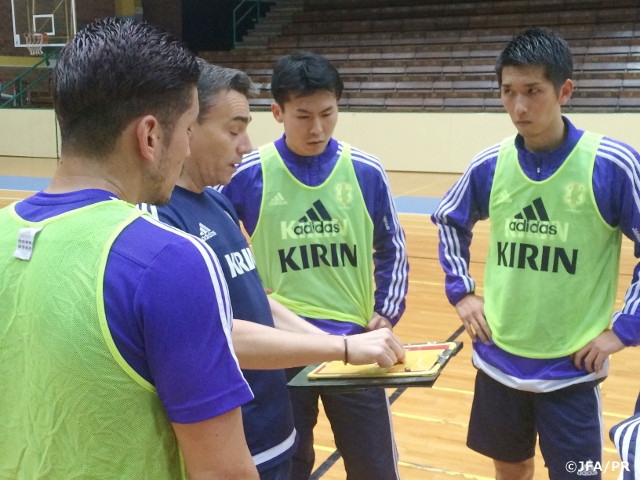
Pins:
x: 34, y: 42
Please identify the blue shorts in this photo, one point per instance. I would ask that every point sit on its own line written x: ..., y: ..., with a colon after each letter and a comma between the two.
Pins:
x: 504, y: 424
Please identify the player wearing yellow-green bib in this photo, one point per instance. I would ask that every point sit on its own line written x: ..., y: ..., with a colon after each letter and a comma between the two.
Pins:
x: 328, y: 244
x: 547, y: 240
x: 64, y: 336
x: 559, y: 199
x: 115, y: 330
x: 320, y: 252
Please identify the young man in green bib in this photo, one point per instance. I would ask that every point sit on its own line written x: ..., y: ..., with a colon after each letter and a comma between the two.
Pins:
x: 559, y: 200
x: 316, y: 208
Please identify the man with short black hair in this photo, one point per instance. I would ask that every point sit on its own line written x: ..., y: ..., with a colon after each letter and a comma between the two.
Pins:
x: 316, y: 208
x: 115, y: 332
x: 559, y: 200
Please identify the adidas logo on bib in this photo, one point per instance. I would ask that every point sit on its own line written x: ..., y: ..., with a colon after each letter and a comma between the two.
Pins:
x: 277, y: 199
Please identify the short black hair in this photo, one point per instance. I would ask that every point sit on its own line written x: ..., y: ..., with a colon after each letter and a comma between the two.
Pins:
x: 303, y: 74
x: 214, y: 79
x: 538, y: 47
x: 113, y: 71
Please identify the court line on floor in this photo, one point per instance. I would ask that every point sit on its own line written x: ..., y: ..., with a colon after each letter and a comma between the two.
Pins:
x: 417, y: 205
x: 422, y: 418
x: 418, y: 466
x: 16, y: 182
x: 445, y: 471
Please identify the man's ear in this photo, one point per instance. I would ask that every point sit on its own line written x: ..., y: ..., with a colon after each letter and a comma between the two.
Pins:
x: 149, y: 135
x: 565, y: 91
x: 277, y: 112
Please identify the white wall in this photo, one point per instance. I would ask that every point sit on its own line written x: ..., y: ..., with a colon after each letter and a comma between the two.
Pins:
x: 28, y: 133
x: 421, y: 142
x: 439, y: 142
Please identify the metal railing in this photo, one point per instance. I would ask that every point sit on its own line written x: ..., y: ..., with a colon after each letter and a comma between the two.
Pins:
x: 19, y: 86
x: 239, y: 18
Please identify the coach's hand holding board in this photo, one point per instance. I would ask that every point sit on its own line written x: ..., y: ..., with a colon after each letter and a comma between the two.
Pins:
x: 426, y: 359
x: 381, y: 344
x: 285, y: 349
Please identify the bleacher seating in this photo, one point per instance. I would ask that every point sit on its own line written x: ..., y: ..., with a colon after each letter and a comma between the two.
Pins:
x: 416, y: 55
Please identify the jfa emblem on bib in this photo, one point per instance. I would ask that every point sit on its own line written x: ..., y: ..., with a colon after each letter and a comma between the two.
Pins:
x: 575, y: 194
x: 344, y: 193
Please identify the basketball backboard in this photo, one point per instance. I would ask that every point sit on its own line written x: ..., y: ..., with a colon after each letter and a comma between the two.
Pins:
x: 51, y: 21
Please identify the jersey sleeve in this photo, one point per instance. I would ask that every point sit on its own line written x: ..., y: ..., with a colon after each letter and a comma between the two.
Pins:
x: 616, y: 185
x: 183, y: 302
x: 459, y: 210
x: 391, y: 263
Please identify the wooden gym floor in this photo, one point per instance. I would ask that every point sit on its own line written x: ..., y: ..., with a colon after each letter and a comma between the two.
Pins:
x: 430, y: 423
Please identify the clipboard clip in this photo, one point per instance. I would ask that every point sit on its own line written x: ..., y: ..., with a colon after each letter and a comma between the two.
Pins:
x: 444, y: 357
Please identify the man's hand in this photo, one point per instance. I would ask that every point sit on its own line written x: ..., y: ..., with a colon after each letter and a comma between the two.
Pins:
x: 377, y: 322
x: 593, y: 354
x: 471, y: 311
x: 380, y: 346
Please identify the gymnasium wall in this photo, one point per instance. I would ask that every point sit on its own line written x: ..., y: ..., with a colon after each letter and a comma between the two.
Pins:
x: 28, y: 133
x: 420, y: 142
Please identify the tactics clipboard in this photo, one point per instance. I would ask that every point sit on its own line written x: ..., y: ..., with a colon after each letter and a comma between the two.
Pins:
x: 425, y: 362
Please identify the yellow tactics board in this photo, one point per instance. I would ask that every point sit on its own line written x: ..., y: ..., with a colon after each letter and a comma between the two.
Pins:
x: 423, y: 359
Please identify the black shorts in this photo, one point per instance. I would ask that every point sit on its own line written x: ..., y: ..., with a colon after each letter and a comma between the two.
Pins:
x: 505, y: 422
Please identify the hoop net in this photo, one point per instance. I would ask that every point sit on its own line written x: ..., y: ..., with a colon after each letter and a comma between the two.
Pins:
x: 34, y: 42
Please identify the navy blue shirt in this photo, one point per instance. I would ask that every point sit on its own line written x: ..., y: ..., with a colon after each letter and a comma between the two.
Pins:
x: 268, y: 419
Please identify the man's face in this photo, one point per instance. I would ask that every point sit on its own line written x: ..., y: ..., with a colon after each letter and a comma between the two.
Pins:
x: 173, y: 155
x: 533, y: 103
x: 308, y: 121
x: 220, y: 140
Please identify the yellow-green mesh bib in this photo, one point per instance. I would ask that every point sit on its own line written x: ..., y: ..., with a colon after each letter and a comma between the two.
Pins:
x: 552, y: 267
x: 71, y: 408
x: 313, y: 245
